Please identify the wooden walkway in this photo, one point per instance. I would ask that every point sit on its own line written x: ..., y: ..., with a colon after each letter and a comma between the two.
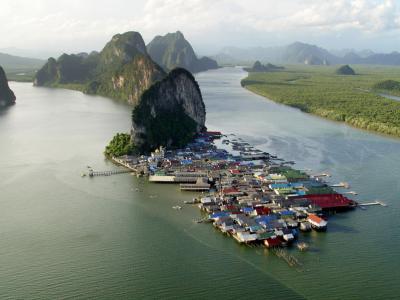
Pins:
x: 107, y: 173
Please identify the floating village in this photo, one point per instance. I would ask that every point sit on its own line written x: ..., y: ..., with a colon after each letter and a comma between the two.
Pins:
x: 253, y: 196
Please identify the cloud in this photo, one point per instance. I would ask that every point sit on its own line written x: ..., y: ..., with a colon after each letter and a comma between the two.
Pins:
x: 84, y: 25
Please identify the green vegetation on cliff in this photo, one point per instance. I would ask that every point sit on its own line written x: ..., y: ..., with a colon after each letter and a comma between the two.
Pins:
x: 319, y: 91
x: 119, y: 145
x: 172, y: 128
x: 170, y: 113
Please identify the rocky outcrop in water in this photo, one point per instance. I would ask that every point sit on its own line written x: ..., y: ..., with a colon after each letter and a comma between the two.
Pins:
x: 7, y: 96
x: 122, y: 70
x: 345, y: 70
x: 173, y: 50
x: 259, y: 67
x: 169, y: 113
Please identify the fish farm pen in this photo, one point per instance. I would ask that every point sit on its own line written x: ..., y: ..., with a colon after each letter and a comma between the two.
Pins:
x: 256, y: 198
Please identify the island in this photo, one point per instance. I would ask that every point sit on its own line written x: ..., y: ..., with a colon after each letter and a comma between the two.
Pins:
x: 259, y: 67
x: 320, y: 91
x: 345, y: 70
x: 173, y: 50
x: 7, y: 96
x: 256, y: 198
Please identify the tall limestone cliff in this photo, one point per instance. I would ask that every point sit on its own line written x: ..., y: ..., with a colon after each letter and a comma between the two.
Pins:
x: 169, y: 113
x: 122, y: 70
x: 7, y: 96
x: 173, y: 50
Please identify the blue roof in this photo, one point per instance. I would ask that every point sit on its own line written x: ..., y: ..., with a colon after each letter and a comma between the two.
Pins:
x: 280, y: 185
x: 295, y: 185
x: 247, y: 209
x: 265, y: 218
x: 219, y: 214
x: 287, y: 213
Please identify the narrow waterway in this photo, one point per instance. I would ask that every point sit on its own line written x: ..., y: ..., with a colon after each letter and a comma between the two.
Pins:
x: 64, y: 236
x: 397, y: 98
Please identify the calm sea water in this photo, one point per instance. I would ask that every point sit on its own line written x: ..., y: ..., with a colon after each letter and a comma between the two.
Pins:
x: 63, y: 236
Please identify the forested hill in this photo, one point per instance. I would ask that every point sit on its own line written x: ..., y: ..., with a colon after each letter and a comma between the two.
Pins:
x: 173, y: 50
x: 122, y: 70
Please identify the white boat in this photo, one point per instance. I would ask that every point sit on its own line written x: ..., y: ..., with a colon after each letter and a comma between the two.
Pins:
x: 177, y: 207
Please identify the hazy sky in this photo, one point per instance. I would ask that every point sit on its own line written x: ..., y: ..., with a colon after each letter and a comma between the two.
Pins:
x: 84, y: 25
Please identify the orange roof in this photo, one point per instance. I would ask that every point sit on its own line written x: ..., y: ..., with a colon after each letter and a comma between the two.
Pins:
x: 315, y: 218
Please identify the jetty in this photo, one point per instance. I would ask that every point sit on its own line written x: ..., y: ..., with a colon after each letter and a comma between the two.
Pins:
x: 107, y: 173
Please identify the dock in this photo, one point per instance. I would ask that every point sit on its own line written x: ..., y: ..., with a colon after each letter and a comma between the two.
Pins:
x: 372, y: 203
x: 107, y: 173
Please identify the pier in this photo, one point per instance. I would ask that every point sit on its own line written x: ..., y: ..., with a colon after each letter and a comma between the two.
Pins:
x: 107, y: 173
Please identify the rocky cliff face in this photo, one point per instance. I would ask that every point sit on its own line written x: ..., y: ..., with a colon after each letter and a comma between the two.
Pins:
x: 173, y: 50
x: 122, y: 70
x: 7, y: 96
x: 129, y: 81
x: 169, y: 113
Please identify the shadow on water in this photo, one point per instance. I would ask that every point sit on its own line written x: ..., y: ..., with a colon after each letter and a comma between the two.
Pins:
x: 5, y: 109
x: 340, y: 228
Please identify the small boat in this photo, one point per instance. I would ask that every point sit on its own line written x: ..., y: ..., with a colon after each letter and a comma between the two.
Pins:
x: 351, y: 193
x: 177, y: 207
x: 305, y: 226
x: 83, y: 174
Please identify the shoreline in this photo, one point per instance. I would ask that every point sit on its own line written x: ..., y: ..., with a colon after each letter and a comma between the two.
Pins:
x: 371, y: 131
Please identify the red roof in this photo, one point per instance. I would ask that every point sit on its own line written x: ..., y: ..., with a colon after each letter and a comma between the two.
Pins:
x: 234, y: 171
x: 327, y: 201
x: 273, y: 242
x: 263, y: 210
x: 230, y: 190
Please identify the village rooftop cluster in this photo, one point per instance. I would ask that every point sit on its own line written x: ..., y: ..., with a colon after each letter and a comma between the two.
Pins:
x: 248, y: 194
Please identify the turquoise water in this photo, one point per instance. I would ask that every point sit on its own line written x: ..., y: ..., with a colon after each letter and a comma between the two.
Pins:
x: 63, y: 236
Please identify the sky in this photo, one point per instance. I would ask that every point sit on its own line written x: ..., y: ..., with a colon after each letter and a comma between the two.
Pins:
x: 49, y: 26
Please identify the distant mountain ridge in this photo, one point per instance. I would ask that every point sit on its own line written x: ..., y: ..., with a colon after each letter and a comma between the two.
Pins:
x: 302, y: 53
x: 13, y: 62
x: 174, y: 51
